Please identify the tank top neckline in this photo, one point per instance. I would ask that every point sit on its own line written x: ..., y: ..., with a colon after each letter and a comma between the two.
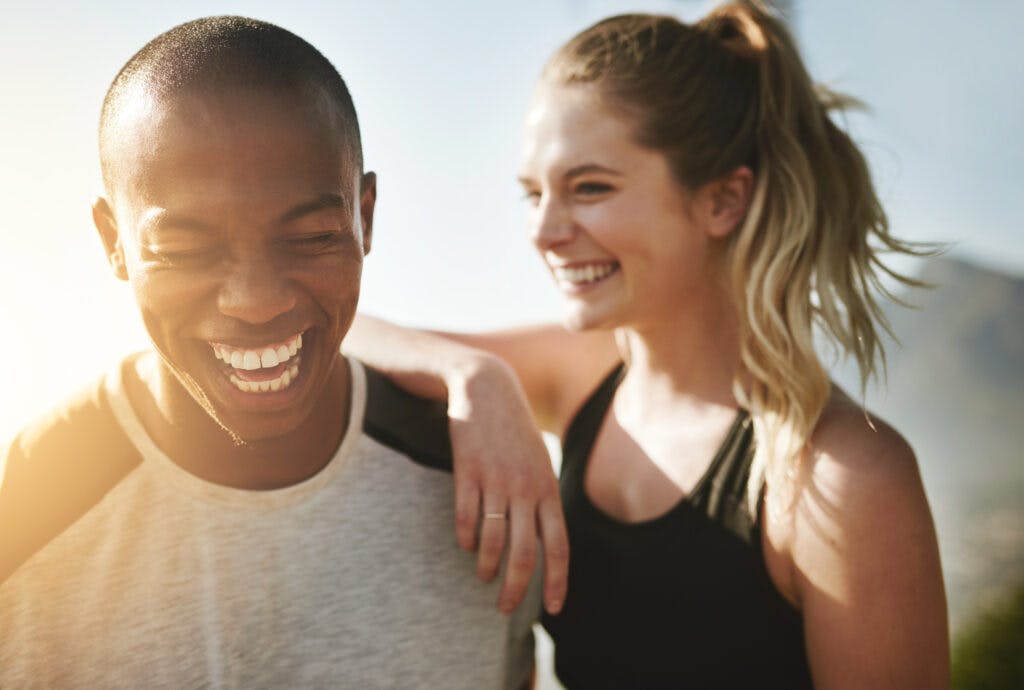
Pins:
x: 581, y: 437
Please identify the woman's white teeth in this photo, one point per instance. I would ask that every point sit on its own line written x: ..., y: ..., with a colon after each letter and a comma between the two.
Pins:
x: 590, y: 273
x: 280, y: 383
x: 260, y: 358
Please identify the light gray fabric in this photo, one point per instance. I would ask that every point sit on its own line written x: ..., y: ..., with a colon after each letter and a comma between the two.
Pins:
x: 351, y: 579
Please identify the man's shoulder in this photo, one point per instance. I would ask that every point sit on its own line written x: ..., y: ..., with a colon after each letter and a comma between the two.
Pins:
x: 56, y: 469
x: 84, y: 420
x: 414, y: 426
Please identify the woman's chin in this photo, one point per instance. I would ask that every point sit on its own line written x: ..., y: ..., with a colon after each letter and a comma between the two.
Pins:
x: 577, y: 319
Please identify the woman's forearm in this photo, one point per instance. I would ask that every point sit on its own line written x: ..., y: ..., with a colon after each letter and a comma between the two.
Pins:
x: 424, y: 363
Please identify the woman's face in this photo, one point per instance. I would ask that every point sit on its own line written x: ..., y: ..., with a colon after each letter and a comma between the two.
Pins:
x: 623, y: 239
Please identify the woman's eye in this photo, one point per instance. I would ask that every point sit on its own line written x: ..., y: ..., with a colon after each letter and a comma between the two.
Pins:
x: 532, y: 196
x: 592, y: 188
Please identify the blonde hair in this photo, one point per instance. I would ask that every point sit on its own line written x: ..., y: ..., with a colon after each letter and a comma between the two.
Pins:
x: 730, y: 91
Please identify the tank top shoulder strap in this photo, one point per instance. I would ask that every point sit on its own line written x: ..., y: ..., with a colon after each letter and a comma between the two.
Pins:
x: 723, y: 498
x: 582, y: 430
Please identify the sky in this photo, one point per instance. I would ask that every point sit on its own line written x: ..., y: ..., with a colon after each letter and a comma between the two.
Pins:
x: 441, y: 88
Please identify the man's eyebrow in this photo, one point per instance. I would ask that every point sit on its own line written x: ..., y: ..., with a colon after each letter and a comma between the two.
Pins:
x: 162, y: 220
x: 321, y: 203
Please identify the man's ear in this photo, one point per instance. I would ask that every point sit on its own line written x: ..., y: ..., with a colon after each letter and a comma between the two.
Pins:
x: 367, y: 202
x: 106, y: 226
x: 728, y: 199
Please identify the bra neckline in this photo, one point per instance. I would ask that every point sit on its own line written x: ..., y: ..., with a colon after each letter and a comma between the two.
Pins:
x: 595, y: 408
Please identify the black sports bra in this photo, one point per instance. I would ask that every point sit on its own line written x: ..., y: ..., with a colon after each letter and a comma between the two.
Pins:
x: 683, y: 600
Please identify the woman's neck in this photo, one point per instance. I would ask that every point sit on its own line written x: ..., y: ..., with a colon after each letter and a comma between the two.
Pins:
x: 692, y: 357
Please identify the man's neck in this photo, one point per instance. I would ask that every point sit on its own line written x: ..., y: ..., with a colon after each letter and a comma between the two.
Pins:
x: 197, y: 443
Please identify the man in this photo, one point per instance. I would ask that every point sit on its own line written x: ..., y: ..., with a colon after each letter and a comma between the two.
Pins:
x: 243, y: 506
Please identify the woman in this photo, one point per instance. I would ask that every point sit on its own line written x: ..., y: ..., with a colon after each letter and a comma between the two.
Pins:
x: 735, y: 520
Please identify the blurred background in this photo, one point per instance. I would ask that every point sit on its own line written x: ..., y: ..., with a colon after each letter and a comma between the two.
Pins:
x: 441, y: 88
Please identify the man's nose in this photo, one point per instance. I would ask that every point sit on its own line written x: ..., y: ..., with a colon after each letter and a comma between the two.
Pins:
x: 255, y: 290
x: 551, y: 223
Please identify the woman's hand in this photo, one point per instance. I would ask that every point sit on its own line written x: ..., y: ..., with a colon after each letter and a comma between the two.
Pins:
x: 505, y: 490
x: 501, y: 465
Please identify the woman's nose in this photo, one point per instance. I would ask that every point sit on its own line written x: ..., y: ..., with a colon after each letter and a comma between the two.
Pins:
x: 551, y: 224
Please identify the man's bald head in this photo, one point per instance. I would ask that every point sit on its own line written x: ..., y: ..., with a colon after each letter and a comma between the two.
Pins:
x: 219, y: 54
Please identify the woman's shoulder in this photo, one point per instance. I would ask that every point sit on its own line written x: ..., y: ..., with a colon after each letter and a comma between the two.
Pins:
x: 858, y: 508
x: 854, y: 451
x: 856, y: 475
x: 862, y: 549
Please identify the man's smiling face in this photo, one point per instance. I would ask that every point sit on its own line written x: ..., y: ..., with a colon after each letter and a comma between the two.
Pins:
x: 241, y: 220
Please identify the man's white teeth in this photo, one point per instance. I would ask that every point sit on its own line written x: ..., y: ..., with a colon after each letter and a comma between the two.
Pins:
x: 278, y: 384
x: 259, y: 358
x: 590, y: 273
x: 268, y: 358
x: 251, y: 360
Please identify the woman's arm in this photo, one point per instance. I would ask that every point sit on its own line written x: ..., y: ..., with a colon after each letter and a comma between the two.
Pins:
x: 555, y: 367
x: 501, y: 464
x: 866, y: 560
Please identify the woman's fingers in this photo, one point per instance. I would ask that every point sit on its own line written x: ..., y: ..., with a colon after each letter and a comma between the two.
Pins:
x: 493, y: 533
x: 506, y: 494
x: 551, y: 525
x: 467, y: 510
x: 518, y: 528
x: 522, y: 555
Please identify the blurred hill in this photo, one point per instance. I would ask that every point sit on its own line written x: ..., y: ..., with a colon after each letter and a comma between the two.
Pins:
x: 956, y: 391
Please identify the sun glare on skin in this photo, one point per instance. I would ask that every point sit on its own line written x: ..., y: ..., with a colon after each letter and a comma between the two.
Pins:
x: 136, y: 105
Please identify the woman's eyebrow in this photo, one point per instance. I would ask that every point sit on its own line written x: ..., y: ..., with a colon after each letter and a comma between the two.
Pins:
x: 588, y: 168
x: 576, y: 171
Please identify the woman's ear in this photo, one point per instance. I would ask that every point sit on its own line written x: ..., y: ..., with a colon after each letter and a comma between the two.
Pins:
x: 728, y: 201
x: 106, y: 226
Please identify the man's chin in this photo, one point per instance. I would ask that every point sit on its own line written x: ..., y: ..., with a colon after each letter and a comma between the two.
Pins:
x: 198, y: 394
x: 252, y: 427
x: 250, y: 414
